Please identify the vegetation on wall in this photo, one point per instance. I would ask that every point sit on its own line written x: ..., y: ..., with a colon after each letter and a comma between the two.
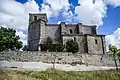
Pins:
x: 59, y: 47
x: 47, y: 45
x: 56, y: 47
x: 9, y: 39
x: 72, y: 46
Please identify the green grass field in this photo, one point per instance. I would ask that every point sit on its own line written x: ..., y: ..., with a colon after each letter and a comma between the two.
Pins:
x: 59, y: 75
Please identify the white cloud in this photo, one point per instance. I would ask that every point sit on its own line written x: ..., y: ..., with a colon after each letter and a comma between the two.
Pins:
x: 113, y: 39
x: 31, y: 7
x: 16, y: 15
x: 23, y: 37
x: 46, y: 9
x: 115, y: 3
x: 89, y: 13
x: 54, y: 7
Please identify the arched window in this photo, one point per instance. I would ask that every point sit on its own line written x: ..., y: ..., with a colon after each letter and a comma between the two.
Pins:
x: 70, y: 31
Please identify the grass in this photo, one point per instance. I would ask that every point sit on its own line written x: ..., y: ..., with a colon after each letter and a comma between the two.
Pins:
x: 51, y: 74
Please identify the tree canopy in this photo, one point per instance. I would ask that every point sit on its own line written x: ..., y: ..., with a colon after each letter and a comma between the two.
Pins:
x: 9, y: 39
x: 72, y: 46
x: 114, y: 54
x: 48, y: 45
x: 113, y: 51
x: 59, y: 46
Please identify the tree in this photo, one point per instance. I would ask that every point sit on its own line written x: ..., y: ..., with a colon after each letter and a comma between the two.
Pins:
x: 114, y: 54
x: 59, y: 46
x: 72, y: 46
x: 47, y: 45
x: 9, y: 40
x: 119, y: 55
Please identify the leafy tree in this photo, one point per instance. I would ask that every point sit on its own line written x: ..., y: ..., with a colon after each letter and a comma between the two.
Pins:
x: 47, y: 45
x: 72, y: 46
x: 9, y: 40
x: 119, y: 55
x: 114, y: 54
x: 59, y: 46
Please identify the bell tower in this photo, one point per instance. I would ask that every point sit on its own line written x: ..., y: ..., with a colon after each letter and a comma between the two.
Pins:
x: 35, y: 17
x: 36, y: 30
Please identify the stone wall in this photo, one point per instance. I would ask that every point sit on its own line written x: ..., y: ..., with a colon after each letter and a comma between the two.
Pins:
x: 33, y: 40
x: 80, y: 39
x: 77, y: 29
x: 36, y: 30
x: 53, y: 31
x: 87, y: 30
x: 95, y: 45
x: 38, y: 16
x: 58, y: 57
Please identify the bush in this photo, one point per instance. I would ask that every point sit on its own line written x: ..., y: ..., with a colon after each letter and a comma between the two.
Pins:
x: 72, y: 46
x: 59, y: 47
x: 48, y: 45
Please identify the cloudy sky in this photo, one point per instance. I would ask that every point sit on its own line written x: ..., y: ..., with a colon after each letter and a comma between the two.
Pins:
x: 103, y: 13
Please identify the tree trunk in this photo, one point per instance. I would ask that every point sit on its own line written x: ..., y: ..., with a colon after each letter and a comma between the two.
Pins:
x: 54, y: 64
x: 54, y: 61
x: 119, y: 61
x: 116, y: 64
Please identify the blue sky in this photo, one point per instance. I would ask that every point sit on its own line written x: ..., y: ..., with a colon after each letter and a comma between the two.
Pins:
x: 106, y: 15
x: 111, y: 21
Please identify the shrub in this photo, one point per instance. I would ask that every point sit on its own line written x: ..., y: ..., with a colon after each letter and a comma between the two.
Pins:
x: 48, y: 45
x: 59, y: 46
x: 72, y: 46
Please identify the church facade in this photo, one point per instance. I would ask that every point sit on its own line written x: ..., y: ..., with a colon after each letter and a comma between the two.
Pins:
x: 88, y: 40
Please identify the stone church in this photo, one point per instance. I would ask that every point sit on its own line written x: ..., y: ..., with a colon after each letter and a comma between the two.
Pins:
x: 88, y: 40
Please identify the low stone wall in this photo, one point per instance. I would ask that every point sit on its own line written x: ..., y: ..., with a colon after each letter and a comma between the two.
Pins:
x: 57, y: 57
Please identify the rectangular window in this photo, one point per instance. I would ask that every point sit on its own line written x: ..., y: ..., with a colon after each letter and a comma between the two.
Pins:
x: 96, y: 41
x: 74, y: 38
x: 70, y: 31
x: 35, y: 17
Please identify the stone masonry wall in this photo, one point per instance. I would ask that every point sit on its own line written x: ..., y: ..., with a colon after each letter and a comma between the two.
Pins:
x: 53, y: 31
x: 58, y: 57
x: 79, y: 39
x: 95, y: 45
x: 33, y: 40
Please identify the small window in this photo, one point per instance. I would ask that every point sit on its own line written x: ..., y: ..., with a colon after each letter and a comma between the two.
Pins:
x: 59, y: 58
x: 70, y: 31
x: 68, y: 54
x: 96, y: 41
x: 35, y: 17
x: 74, y: 38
